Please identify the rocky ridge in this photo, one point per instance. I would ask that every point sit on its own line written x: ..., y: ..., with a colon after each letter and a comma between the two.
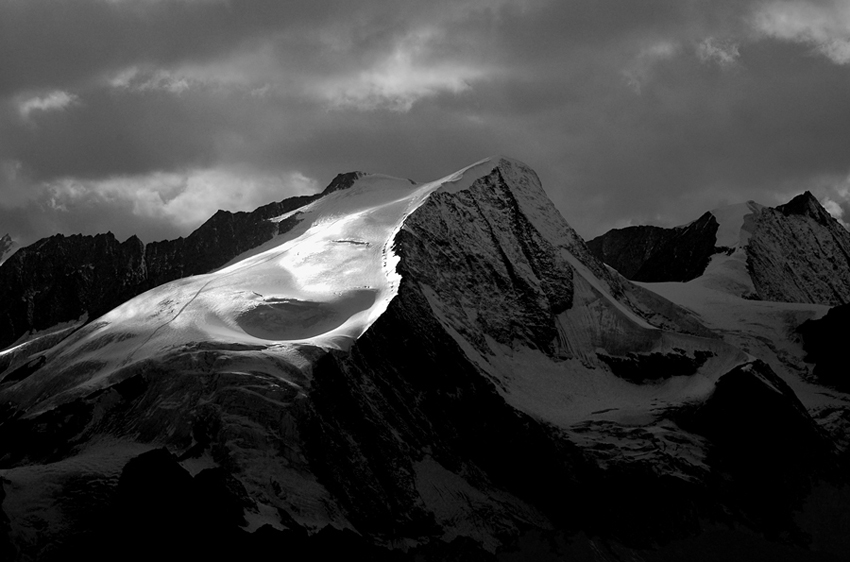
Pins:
x: 652, y: 253
x: 794, y: 252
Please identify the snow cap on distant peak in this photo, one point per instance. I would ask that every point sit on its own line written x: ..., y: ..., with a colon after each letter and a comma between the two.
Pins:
x: 343, y: 181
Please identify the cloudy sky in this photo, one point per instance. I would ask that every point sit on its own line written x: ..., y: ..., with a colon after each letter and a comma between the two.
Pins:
x: 145, y: 116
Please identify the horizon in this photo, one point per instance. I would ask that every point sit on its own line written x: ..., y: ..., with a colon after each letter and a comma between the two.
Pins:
x: 145, y: 117
x: 123, y: 239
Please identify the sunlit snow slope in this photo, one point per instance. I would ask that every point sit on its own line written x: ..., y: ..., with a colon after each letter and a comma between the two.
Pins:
x: 322, y: 284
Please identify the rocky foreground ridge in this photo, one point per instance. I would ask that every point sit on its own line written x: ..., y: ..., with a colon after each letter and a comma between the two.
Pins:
x: 514, y: 399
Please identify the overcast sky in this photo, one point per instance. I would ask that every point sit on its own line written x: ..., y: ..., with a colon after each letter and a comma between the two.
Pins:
x: 145, y: 116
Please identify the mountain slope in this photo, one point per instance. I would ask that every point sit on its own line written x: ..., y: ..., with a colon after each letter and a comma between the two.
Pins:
x: 63, y: 278
x: 420, y: 366
x: 652, y: 253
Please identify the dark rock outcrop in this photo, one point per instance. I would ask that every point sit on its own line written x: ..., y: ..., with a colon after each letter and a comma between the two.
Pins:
x: 825, y: 342
x: 794, y: 252
x: 60, y: 278
x: 798, y: 253
x: 764, y: 444
x: 643, y: 367
x: 652, y: 253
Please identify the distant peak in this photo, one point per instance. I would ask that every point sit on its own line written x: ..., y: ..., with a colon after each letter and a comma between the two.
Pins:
x: 343, y: 181
x: 806, y: 205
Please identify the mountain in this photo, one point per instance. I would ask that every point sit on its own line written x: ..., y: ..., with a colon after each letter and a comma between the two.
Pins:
x: 791, y: 253
x: 68, y: 278
x: 823, y: 340
x: 652, y: 253
x: 402, y: 371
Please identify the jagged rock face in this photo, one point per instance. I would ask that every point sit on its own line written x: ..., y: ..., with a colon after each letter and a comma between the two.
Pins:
x: 793, y: 253
x: 652, y: 253
x: 508, y: 283
x: 60, y: 279
x: 479, y: 404
x: 799, y: 253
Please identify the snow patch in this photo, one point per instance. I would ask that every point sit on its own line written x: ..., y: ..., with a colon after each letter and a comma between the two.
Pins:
x: 731, y: 218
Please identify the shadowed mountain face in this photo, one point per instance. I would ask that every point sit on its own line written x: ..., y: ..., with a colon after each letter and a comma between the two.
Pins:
x: 824, y: 341
x: 504, y: 396
x: 652, y: 253
x: 793, y: 253
x: 799, y: 253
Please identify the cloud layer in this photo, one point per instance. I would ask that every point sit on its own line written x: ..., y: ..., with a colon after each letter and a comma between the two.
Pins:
x: 144, y: 116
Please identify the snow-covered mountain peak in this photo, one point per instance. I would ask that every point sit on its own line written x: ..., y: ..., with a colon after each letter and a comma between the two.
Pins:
x: 343, y: 181
x: 465, y: 177
x: 321, y: 282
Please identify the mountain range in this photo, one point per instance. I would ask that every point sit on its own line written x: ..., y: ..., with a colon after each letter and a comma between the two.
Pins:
x: 396, y: 370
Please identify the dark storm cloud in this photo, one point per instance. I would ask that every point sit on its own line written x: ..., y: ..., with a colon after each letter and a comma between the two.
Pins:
x: 52, y: 43
x: 121, y: 111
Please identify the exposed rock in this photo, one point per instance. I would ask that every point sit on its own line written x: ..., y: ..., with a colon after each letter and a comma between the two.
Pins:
x: 342, y: 181
x: 825, y: 343
x: 60, y: 278
x: 793, y: 253
x: 799, y: 253
x: 643, y: 367
x: 652, y: 253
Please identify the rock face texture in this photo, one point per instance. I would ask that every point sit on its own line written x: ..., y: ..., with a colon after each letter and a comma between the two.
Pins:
x: 513, y: 398
x: 794, y: 252
x: 652, y: 253
x: 799, y: 253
